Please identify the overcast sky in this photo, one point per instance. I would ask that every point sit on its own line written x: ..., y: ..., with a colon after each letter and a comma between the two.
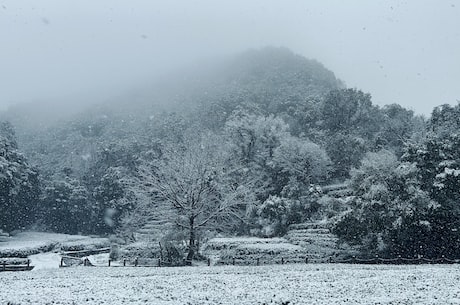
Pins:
x: 405, y: 52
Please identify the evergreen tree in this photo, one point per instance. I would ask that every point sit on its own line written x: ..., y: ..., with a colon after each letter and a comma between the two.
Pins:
x: 19, y: 187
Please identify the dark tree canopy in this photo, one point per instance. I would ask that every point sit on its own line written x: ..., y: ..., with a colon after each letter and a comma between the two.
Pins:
x: 19, y: 188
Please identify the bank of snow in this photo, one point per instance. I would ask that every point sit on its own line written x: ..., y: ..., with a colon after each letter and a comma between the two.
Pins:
x: 41, y: 247
x: 24, y: 244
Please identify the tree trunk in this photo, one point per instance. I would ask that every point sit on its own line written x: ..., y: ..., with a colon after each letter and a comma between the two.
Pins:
x: 191, y: 248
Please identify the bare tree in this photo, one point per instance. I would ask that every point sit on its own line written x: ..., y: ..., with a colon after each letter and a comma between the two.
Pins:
x: 197, y: 182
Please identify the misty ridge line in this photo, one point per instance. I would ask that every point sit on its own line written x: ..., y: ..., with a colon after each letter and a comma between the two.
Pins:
x: 172, y: 90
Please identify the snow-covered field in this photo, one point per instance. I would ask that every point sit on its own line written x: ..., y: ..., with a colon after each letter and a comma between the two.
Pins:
x: 270, y: 284
x: 276, y: 284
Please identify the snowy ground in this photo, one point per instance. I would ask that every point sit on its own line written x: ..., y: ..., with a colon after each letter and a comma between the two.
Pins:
x: 274, y: 284
x: 45, y: 261
x: 277, y: 284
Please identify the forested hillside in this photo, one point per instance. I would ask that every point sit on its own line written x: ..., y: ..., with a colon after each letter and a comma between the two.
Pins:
x: 248, y: 147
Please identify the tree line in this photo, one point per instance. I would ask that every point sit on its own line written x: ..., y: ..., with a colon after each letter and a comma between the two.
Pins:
x: 250, y: 154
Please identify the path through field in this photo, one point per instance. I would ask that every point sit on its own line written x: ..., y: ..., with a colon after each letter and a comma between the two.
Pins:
x: 286, y: 284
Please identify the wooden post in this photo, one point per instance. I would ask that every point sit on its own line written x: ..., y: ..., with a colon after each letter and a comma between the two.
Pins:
x: 28, y: 263
x: 109, y: 262
x: 124, y: 263
x: 209, y: 262
x: 159, y: 262
x: 282, y: 261
x: 306, y: 260
x: 135, y: 262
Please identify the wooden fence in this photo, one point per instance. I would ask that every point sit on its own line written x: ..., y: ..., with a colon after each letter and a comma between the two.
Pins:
x: 15, y: 267
x: 398, y: 260
x: 144, y: 262
x: 352, y: 260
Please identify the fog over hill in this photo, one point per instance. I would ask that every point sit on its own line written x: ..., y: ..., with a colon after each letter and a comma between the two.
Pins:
x: 400, y: 52
x: 269, y: 73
